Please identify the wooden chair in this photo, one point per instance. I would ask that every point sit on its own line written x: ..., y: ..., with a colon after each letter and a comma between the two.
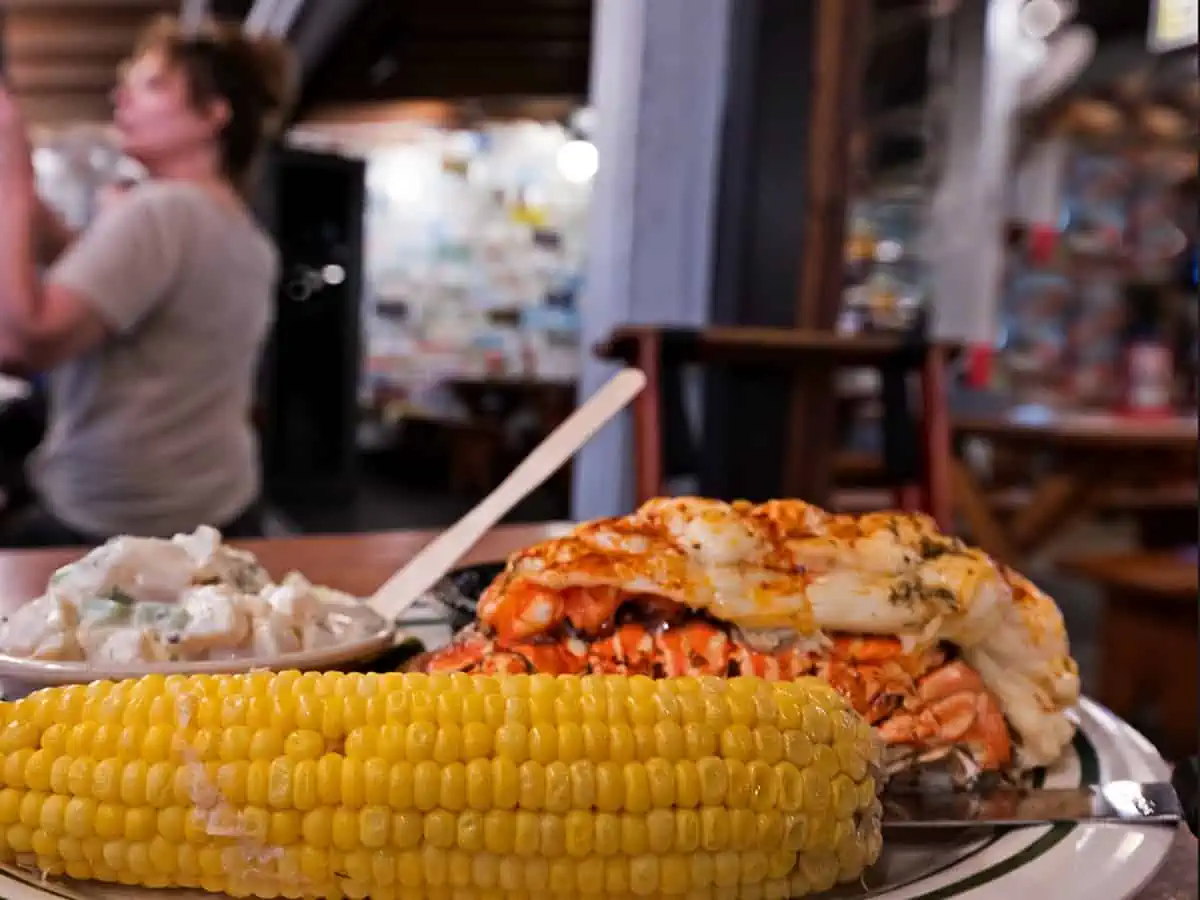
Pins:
x: 1148, y: 641
x: 916, y: 458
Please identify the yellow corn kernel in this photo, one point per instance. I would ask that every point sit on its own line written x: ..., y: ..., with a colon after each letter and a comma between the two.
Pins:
x: 737, y: 794
x: 426, y: 784
x: 606, y: 834
x: 60, y: 771
x: 303, y: 744
x: 353, y: 787
x: 478, y: 782
x: 512, y: 742
x: 543, y: 742
x: 13, y: 769
x: 37, y: 770
x: 305, y: 784
x: 400, y: 786
x: 580, y: 832
x: 441, y: 829
x: 552, y: 831
x: 660, y: 830
x: 499, y: 831
x: 141, y: 823
x: 816, y: 794
x: 345, y: 787
x: 557, y: 797
x: 622, y: 747
x: 265, y: 743
x: 407, y: 829
x: 714, y: 780
x: 583, y: 784
x: 343, y: 832
x: 688, y: 787
x: 571, y: 746
x: 10, y: 806
x: 595, y: 740
x: 616, y: 877
x: 610, y: 786
x: 527, y: 837
x: 743, y: 830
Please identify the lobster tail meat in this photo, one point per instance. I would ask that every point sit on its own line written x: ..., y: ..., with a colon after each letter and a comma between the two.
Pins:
x: 941, y: 648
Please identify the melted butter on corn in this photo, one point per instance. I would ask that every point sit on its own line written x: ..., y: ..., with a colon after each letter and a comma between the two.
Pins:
x: 410, y: 785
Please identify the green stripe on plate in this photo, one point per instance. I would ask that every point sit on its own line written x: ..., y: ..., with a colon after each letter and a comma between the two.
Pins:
x: 22, y: 881
x: 1089, y: 773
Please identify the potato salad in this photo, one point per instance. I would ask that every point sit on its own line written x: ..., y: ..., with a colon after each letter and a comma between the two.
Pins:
x: 192, y: 597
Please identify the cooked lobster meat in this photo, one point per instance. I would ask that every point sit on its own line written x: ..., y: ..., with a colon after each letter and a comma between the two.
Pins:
x: 942, y: 649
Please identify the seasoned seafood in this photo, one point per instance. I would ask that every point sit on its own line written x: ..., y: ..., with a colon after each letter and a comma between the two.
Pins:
x: 946, y: 652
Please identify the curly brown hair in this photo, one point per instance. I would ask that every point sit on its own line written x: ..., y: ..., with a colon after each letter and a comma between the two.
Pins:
x: 254, y: 76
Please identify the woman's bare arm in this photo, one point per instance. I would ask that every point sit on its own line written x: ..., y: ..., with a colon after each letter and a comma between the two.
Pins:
x: 53, y: 235
x: 40, y: 325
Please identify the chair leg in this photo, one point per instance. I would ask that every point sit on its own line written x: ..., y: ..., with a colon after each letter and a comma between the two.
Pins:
x: 909, y: 498
x: 647, y: 420
x: 936, y: 433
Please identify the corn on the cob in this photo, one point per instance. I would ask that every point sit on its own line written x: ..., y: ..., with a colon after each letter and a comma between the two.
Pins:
x: 407, y: 785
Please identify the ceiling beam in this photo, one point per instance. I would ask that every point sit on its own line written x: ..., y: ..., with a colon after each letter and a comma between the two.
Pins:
x: 230, y: 9
x: 193, y: 13
x: 26, y: 77
x: 35, y: 38
x: 319, y: 28
x: 59, y: 109
x: 445, y: 113
x: 39, y: 6
x: 481, y: 50
x: 472, y: 7
x: 552, y: 24
x: 451, y: 81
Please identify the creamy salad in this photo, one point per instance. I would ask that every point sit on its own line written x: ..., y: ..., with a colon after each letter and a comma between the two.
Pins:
x: 136, y: 600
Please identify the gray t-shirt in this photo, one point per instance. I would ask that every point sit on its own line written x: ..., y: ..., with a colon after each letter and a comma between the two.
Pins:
x: 150, y: 433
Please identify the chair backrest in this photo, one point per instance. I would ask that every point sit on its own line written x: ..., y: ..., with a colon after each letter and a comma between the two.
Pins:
x: 663, y: 441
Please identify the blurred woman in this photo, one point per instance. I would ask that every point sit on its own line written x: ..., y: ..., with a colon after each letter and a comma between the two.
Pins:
x: 151, y: 321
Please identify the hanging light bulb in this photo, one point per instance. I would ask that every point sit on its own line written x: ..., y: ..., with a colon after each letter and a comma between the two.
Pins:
x: 1042, y: 18
x: 583, y: 121
x: 578, y: 161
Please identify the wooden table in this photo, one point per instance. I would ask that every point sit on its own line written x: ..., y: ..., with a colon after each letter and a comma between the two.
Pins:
x: 361, y: 563
x: 1170, y: 575
x: 1095, y: 453
x: 491, y: 401
x: 1176, y: 880
x: 1148, y: 642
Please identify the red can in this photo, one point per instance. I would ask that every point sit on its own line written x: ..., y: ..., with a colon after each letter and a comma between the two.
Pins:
x: 1149, y: 377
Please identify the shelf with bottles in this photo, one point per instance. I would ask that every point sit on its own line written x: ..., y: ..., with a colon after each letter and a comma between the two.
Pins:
x: 476, y: 248
x: 1126, y: 222
x: 886, y: 274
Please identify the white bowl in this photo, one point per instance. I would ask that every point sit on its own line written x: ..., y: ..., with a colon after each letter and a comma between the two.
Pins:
x: 38, y: 672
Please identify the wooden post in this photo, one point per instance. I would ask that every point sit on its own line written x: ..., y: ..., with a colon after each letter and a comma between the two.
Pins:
x: 795, y: 74
x: 840, y: 40
x: 647, y: 420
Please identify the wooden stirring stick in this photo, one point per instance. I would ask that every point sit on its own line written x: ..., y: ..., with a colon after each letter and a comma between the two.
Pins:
x: 438, y: 557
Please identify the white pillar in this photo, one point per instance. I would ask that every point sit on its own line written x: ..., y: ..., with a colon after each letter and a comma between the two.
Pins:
x: 1038, y: 183
x: 658, y: 87
x: 972, y: 202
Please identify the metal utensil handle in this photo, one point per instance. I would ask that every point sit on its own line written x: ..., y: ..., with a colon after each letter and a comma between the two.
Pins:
x: 1116, y: 802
